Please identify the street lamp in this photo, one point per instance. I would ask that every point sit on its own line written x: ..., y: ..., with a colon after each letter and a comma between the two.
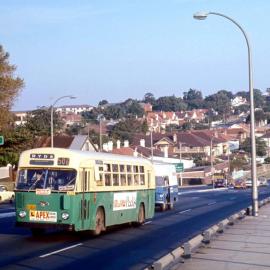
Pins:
x: 212, y: 165
x: 52, y: 106
x: 202, y: 16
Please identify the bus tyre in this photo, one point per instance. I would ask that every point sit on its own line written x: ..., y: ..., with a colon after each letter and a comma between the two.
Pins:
x: 100, y: 221
x: 163, y: 207
x: 141, y: 215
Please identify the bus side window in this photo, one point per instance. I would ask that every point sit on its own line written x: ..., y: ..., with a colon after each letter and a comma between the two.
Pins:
x: 108, y: 175
x: 115, y: 170
x: 129, y: 175
x: 142, y: 176
x: 136, y: 175
x: 123, y: 175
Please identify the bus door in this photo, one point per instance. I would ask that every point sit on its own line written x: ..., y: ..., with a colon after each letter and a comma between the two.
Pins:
x: 85, y: 203
x: 167, y: 190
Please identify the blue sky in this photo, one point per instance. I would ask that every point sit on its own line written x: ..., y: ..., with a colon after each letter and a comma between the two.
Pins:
x: 119, y: 49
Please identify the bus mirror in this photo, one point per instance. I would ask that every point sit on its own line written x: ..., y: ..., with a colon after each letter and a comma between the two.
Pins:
x: 97, y: 178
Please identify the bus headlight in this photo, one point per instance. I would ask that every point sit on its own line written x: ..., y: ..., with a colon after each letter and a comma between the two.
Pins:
x: 22, y: 214
x: 65, y: 216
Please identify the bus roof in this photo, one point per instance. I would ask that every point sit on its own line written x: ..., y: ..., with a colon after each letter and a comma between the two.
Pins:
x: 85, y: 155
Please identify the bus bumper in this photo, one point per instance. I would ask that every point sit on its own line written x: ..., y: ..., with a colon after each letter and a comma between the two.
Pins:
x: 30, y: 225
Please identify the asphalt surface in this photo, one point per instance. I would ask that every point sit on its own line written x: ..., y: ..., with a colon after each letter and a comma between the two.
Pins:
x: 121, y: 247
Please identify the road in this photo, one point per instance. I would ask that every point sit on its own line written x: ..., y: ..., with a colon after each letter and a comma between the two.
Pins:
x: 121, y: 247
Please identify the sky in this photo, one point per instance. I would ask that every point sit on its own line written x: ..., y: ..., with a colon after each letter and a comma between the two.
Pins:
x: 120, y: 49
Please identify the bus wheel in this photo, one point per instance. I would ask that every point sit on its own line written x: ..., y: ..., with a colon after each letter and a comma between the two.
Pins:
x: 37, y: 231
x: 141, y: 215
x: 163, y: 207
x: 100, y: 221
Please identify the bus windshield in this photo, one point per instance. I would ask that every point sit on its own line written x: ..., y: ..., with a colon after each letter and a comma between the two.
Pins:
x: 58, y: 180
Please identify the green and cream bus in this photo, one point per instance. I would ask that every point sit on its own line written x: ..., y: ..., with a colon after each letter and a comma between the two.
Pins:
x: 76, y: 190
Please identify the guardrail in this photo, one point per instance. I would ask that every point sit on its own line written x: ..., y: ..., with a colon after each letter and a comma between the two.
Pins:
x: 185, y: 251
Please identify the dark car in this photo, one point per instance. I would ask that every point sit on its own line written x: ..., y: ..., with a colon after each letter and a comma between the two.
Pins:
x: 220, y: 183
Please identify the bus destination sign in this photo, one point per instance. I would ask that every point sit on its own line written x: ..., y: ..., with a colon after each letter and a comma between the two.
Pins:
x: 42, y: 156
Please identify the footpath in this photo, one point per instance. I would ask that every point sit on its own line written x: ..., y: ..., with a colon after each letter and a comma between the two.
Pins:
x: 243, y: 246
x: 240, y: 242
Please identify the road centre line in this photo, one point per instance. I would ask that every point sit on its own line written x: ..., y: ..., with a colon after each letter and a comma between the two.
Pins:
x: 187, y: 210
x: 5, y: 215
x: 58, y: 251
x: 147, y: 222
x: 211, y: 203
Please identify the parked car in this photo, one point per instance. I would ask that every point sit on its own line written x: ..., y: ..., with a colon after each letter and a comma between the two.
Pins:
x: 248, y: 183
x: 263, y: 181
x: 220, y: 183
x: 6, y: 195
x: 240, y: 184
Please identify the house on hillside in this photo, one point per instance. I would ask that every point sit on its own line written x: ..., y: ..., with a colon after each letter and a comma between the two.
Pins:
x: 77, y: 142
x: 238, y: 101
x: 77, y: 109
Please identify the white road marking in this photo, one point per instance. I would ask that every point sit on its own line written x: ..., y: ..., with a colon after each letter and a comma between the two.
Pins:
x: 187, y: 210
x: 58, y: 251
x: 147, y: 222
x: 5, y: 215
x: 232, y: 198
x: 211, y: 203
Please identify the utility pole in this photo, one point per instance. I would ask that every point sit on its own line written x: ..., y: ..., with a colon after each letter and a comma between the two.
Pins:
x: 211, y: 157
x: 180, y: 159
x: 151, y: 138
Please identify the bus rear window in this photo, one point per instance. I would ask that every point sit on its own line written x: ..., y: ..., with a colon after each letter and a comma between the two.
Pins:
x: 58, y: 180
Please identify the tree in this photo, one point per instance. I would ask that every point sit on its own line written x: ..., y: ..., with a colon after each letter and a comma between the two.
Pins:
x: 149, y: 98
x: 135, y: 109
x: 237, y: 163
x: 10, y: 87
x: 194, y: 99
x: 261, y: 147
x: 39, y: 122
x: 103, y: 102
x: 258, y: 98
x: 17, y: 140
x: 128, y: 128
x: 170, y: 103
x: 259, y: 116
x: 243, y: 94
x: 220, y: 102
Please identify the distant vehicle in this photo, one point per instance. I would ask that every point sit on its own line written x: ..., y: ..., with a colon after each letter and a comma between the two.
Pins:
x: 6, y: 195
x: 219, y: 183
x: 240, y: 184
x: 263, y: 181
x: 166, y: 186
x: 248, y: 183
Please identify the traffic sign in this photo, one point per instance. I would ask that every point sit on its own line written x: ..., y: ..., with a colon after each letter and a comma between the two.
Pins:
x: 1, y: 140
x: 179, y: 167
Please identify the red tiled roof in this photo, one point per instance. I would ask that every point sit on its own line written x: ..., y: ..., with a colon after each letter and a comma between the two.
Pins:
x: 61, y: 141
x: 127, y: 151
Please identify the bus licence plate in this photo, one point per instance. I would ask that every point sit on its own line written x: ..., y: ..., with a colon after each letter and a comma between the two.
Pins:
x: 48, y: 216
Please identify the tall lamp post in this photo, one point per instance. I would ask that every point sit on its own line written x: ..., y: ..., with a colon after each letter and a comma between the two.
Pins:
x: 202, y: 16
x: 52, y: 107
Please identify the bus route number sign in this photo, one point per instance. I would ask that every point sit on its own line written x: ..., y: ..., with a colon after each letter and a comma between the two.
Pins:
x: 63, y: 161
